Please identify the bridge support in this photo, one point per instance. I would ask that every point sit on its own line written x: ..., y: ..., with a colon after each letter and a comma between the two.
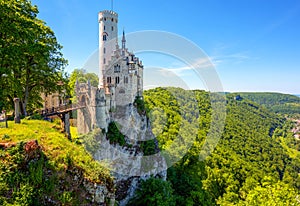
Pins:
x: 65, y: 124
x: 17, y: 111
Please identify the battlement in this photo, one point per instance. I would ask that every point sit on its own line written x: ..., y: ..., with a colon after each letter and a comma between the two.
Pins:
x: 108, y: 13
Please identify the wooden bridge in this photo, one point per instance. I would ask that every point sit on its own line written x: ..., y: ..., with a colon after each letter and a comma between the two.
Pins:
x: 63, y: 109
x: 63, y: 113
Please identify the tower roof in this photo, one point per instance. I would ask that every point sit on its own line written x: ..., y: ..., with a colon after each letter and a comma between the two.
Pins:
x: 123, y: 38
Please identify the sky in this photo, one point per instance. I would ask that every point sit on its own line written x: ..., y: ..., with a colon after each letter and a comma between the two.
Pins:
x: 254, y: 45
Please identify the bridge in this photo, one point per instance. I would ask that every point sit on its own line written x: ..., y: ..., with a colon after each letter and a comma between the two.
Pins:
x: 63, y: 109
x: 63, y: 113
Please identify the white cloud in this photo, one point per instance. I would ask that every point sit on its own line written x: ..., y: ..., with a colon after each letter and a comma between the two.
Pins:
x: 201, y: 63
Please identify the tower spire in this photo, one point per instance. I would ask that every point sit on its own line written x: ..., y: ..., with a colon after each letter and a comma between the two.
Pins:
x: 123, y: 41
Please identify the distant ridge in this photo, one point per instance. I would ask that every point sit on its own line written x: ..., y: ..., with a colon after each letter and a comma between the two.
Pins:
x: 276, y: 102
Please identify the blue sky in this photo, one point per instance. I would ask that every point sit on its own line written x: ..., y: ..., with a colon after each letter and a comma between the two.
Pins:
x: 254, y: 44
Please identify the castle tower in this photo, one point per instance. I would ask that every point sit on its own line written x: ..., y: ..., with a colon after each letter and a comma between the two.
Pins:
x: 108, y: 31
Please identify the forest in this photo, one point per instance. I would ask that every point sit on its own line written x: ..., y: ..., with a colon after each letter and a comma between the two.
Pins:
x: 276, y: 102
x: 256, y: 161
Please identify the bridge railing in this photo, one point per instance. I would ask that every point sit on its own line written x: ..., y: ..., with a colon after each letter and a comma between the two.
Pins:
x: 61, y: 109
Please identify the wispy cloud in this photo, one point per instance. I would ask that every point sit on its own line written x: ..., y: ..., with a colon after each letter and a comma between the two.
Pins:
x: 201, y: 63
x: 234, y: 58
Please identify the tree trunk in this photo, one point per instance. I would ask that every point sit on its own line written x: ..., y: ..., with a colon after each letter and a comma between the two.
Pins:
x: 26, y: 90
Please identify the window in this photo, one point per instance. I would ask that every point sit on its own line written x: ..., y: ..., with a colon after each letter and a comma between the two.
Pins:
x: 104, y: 28
x: 104, y: 50
x: 117, y: 68
x: 109, y: 80
x: 104, y: 18
x: 117, y: 80
x: 104, y: 61
x: 125, y: 80
x: 112, y: 19
x: 112, y: 28
x: 104, y: 37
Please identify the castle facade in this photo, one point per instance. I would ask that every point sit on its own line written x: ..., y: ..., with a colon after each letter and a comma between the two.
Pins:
x: 120, y: 78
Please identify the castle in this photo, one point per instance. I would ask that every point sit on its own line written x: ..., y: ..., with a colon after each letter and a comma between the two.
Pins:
x: 116, y: 99
x: 120, y: 78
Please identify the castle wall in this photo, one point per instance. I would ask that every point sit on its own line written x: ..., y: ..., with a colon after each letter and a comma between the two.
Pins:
x: 95, y: 113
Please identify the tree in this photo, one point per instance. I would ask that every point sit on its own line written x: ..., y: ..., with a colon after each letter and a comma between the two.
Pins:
x: 154, y: 191
x: 30, y: 56
x: 82, y: 76
x: 272, y: 194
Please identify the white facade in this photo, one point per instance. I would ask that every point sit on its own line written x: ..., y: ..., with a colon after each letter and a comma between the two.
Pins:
x: 108, y: 39
x: 121, y: 72
x: 120, y: 80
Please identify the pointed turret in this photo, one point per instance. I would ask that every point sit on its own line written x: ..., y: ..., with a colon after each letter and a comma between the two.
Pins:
x: 123, y: 41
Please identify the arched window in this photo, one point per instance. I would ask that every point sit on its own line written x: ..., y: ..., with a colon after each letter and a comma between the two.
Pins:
x: 117, y: 80
x: 104, y: 37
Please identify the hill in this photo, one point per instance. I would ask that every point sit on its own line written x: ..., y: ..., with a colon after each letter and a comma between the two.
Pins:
x: 276, y: 102
x: 40, y: 166
x: 256, y: 161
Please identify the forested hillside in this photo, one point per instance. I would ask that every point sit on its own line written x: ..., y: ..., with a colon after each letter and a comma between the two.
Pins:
x: 256, y: 162
x: 276, y: 102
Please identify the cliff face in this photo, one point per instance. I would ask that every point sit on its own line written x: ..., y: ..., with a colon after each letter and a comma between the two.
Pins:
x: 127, y: 160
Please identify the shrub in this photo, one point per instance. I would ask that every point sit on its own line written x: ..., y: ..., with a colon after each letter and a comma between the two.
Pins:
x: 114, y: 135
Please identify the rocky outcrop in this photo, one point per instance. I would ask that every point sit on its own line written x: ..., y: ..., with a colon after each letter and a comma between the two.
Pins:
x: 128, y: 163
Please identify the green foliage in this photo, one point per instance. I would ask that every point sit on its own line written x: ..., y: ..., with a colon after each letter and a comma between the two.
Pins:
x: 153, y: 191
x: 114, y: 135
x: 256, y: 155
x: 36, y: 171
x: 140, y: 105
x: 148, y: 147
x: 35, y: 117
x: 31, y: 58
x: 24, y: 195
x: 66, y: 197
x: 90, y: 141
x: 82, y: 76
x: 28, y: 178
x: 276, y: 102
x: 271, y: 195
x: 6, y: 137
x: 17, y: 186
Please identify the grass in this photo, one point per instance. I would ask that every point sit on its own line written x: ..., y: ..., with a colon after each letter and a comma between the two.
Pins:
x: 57, y: 148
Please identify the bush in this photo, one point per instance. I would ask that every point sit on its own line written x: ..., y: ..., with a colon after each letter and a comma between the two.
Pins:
x: 140, y: 105
x: 148, y: 147
x: 114, y: 135
x: 153, y: 192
